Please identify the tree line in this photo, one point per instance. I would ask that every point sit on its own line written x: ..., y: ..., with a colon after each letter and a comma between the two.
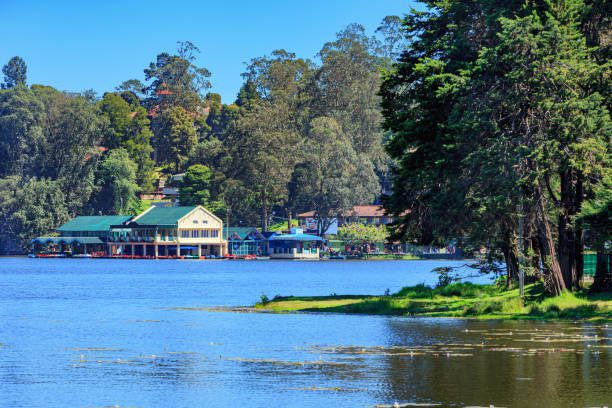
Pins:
x: 500, y: 133
x: 301, y: 135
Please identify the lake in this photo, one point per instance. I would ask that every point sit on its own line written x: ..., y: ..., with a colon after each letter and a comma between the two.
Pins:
x: 138, y: 333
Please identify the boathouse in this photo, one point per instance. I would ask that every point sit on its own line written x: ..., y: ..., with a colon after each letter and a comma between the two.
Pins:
x: 162, y: 232
x: 295, y: 245
x: 83, y: 235
x: 245, y: 241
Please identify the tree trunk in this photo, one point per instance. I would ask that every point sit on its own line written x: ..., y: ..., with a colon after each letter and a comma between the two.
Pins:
x: 579, y: 239
x: 264, y: 211
x: 603, y: 271
x: 510, y: 257
x: 570, y: 233
x: 535, y: 260
x: 553, y: 278
x: 566, y: 232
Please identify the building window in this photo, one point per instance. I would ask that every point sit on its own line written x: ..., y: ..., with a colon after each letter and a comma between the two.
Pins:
x: 184, y: 234
x: 214, y: 233
x: 205, y: 233
x: 195, y: 234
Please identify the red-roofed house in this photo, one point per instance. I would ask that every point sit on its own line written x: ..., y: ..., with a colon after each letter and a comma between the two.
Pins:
x: 365, y: 214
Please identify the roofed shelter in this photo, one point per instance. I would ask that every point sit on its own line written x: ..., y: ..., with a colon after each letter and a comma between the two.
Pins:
x: 295, y: 245
x: 82, y: 235
x: 190, y: 231
x: 243, y: 241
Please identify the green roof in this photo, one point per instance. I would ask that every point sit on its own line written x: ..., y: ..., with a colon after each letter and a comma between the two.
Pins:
x: 93, y: 222
x: 242, y: 232
x: 157, y: 216
x: 68, y: 240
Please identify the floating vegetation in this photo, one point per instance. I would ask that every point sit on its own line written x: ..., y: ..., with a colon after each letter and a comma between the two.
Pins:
x: 149, y: 321
x: 335, y: 389
x: 408, y: 404
x: 285, y: 362
x: 230, y: 309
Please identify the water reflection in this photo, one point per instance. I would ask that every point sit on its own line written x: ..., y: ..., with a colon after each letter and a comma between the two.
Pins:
x: 507, y: 364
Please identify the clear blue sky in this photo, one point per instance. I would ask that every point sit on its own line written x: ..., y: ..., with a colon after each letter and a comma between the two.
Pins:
x: 78, y: 45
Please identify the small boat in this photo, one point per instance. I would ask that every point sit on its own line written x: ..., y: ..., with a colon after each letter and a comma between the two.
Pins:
x: 32, y: 256
x: 263, y: 258
x: 337, y: 257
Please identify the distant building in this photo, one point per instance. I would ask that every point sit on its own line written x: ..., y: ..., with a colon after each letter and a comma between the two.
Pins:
x: 242, y: 241
x: 295, y: 245
x: 165, y: 189
x: 156, y: 233
x: 364, y: 214
x: 169, y: 231
x: 83, y: 235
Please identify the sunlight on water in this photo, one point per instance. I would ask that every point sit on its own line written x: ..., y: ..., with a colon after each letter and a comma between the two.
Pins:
x: 98, y: 333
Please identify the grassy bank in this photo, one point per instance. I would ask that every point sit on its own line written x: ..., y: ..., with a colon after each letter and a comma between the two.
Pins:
x: 456, y: 300
x: 382, y: 257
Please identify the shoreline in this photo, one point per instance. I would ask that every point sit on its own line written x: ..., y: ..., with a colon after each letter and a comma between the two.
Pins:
x: 459, y: 300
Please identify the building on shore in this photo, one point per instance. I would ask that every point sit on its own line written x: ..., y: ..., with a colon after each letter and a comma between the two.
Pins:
x: 245, y: 241
x: 363, y: 214
x: 159, y: 232
x: 295, y: 245
x: 162, y: 232
x: 81, y: 236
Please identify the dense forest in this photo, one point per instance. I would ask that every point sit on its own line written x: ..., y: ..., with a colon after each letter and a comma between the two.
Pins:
x: 484, y: 123
x: 499, y: 115
x: 301, y: 135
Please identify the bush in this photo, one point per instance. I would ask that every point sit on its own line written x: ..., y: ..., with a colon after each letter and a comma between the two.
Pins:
x: 482, y: 308
x: 263, y: 299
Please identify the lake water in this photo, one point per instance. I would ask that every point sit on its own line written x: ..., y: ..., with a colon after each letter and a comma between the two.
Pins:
x: 98, y: 333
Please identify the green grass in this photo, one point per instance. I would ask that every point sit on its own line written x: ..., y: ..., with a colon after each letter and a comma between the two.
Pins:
x: 404, y: 257
x: 457, y: 300
x: 282, y: 225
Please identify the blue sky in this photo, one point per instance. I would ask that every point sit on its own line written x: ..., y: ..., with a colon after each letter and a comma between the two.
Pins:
x: 78, y: 45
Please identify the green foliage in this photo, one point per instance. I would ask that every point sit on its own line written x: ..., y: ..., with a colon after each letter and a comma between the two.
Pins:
x: 129, y: 128
x: 15, y: 73
x: 176, y: 80
x: 457, y: 300
x: 263, y: 299
x: 333, y: 177
x: 117, y: 183
x: 29, y: 208
x: 195, y: 186
x: 495, y: 111
x: 362, y: 233
x: 282, y: 225
x: 175, y: 137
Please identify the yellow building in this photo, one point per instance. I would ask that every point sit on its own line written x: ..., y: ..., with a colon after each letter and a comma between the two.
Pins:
x: 163, y: 232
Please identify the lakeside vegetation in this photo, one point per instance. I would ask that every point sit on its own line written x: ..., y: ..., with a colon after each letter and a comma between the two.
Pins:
x: 479, y: 124
x: 465, y: 300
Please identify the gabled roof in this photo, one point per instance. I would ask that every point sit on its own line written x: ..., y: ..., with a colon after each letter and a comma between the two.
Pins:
x: 93, y: 222
x: 241, y: 232
x: 156, y: 216
x: 357, y: 211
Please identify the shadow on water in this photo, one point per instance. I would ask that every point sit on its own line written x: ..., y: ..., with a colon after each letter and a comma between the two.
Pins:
x: 509, y: 364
